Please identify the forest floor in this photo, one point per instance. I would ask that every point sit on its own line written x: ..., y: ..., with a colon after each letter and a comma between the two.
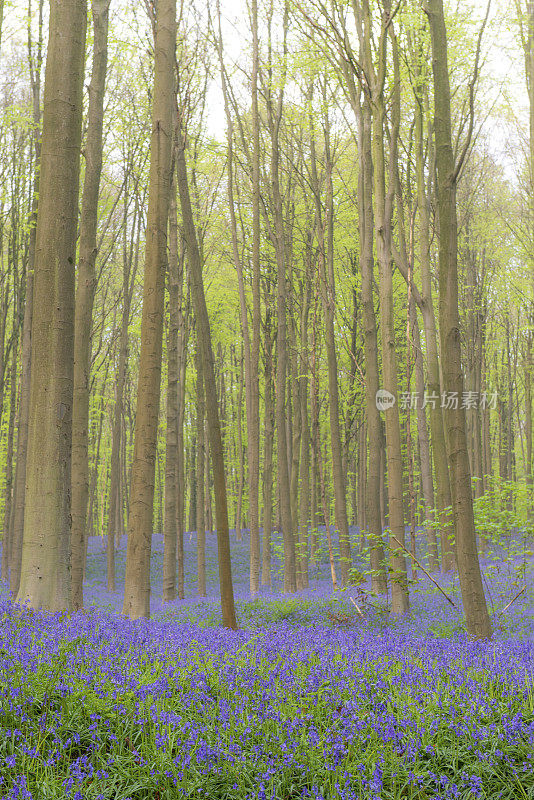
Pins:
x: 311, y: 698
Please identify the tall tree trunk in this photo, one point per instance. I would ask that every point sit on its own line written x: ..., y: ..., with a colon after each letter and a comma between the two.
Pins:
x: 476, y: 612
x: 424, y: 444
x: 85, y: 293
x: 130, y: 263
x: 192, y: 485
x: 317, y: 445
x: 45, y: 568
x: 183, y: 336
x: 268, y: 432
x: 383, y: 211
x: 528, y: 418
x: 282, y: 415
x: 201, y: 519
x: 327, y: 284
x: 374, y: 434
x: 294, y: 389
x: 7, y: 543
x: 240, y: 454
x: 362, y: 479
x: 19, y: 487
x: 137, y: 583
x: 170, y: 525
x: 437, y: 429
x: 304, y: 500
x: 210, y: 387
x: 254, y: 417
x: 251, y: 345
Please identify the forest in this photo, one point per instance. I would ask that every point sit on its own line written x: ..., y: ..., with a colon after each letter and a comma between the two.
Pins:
x: 266, y: 364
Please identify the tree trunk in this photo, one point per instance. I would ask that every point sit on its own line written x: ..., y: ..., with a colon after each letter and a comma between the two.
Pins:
x: 437, y: 430
x: 327, y: 284
x: 268, y: 432
x: 240, y: 455
x: 45, y: 568
x: 476, y: 613
x: 201, y: 519
x: 210, y: 387
x: 183, y: 336
x: 137, y: 583
x: 85, y: 293
x: 19, y: 488
x: 424, y: 444
x: 383, y: 221
x: 294, y: 389
x: 528, y: 420
x: 170, y: 525
x: 7, y: 542
x: 304, y: 500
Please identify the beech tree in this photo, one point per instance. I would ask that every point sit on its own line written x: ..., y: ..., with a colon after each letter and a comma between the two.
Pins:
x: 45, y: 573
x: 137, y: 586
x: 476, y: 612
x: 85, y: 297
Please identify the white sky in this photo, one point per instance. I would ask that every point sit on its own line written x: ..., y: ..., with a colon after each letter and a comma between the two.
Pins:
x: 504, y: 61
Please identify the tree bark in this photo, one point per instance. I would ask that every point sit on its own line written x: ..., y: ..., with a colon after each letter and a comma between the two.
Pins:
x: 424, y: 444
x: 7, y: 542
x: 137, y: 583
x: 304, y: 499
x: 170, y: 524
x: 85, y: 293
x: 45, y: 568
x: 476, y: 613
x: 200, y: 487
x: 268, y: 433
x: 374, y: 434
x: 19, y: 487
x: 210, y: 387
x: 383, y: 211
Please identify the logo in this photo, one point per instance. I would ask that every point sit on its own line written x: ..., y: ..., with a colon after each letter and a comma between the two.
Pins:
x: 384, y: 399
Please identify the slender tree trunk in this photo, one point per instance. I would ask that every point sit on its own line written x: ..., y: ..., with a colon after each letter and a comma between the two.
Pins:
x: 201, y: 520
x: 45, y: 568
x: 383, y: 218
x: 424, y: 445
x: 304, y: 500
x: 210, y: 387
x: 476, y: 613
x: 7, y: 543
x: 528, y: 420
x: 362, y: 479
x: 240, y: 455
x: 294, y: 390
x: 192, y: 485
x: 85, y: 297
x: 437, y: 430
x: 19, y: 488
x: 183, y: 335
x: 318, y: 447
x: 274, y: 117
x: 137, y: 583
x: 327, y: 284
x: 170, y: 525
x: 374, y: 435
x: 268, y: 433
x: 254, y: 417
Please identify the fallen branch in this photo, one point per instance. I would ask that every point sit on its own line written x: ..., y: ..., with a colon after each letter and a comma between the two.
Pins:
x: 355, y: 604
x: 514, y: 598
x: 443, y: 592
